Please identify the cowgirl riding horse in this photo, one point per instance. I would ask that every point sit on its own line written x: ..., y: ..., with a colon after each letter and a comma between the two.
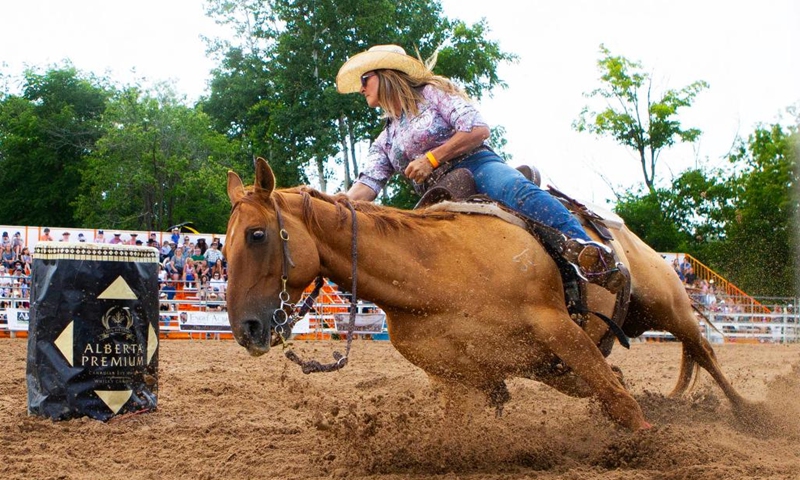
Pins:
x: 431, y: 124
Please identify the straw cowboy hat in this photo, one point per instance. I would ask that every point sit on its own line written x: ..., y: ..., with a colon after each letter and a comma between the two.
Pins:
x: 390, y: 57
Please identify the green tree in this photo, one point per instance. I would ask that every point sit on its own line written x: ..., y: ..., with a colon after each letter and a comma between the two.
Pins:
x: 688, y: 216
x: 241, y: 105
x: 741, y: 222
x: 306, y: 121
x: 45, y: 135
x: 643, y: 216
x: 761, y: 231
x: 159, y: 163
x: 634, y: 116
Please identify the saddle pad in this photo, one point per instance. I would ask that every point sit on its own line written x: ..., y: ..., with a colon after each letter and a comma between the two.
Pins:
x: 481, y: 209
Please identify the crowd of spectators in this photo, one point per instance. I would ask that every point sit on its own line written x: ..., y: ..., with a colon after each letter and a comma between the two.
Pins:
x: 703, y: 291
x: 194, y: 266
x: 706, y: 293
x: 15, y: 269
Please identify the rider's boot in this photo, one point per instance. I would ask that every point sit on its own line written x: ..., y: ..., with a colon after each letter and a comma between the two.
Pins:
x: 597, y: 263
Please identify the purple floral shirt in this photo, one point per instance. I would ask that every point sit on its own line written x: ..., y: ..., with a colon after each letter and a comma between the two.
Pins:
x: 440, y: 116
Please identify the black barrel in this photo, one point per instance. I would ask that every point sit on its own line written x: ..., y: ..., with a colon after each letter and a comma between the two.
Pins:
x: 93, y: 333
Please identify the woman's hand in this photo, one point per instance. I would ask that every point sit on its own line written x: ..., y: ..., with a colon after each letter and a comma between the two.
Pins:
x: 419, y: 170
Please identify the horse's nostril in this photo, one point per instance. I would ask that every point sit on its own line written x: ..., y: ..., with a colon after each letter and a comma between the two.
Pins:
x: 255, y: 330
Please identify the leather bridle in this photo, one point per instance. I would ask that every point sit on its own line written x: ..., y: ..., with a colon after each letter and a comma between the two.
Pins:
x: 283, y: 321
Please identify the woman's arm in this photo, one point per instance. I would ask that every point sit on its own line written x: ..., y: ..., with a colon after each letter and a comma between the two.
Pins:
x: 460, y: 143
x: 359, y: 191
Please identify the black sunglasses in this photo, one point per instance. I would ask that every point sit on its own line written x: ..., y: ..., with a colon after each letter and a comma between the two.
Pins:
x: 366, y: 77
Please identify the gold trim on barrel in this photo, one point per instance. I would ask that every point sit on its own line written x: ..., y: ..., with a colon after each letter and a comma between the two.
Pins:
x: 94, y: 252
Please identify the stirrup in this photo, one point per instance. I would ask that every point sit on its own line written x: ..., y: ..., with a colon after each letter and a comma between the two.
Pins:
x: 597, y: 264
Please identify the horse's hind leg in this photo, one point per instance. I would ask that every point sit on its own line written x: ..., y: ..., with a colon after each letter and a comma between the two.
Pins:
x: 566, y: 340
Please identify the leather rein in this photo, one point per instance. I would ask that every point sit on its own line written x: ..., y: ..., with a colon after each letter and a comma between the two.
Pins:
x: 283, y: 321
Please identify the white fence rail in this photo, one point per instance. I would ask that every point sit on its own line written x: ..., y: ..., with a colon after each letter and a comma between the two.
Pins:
x: 199, y: 313
x: 745, y: 328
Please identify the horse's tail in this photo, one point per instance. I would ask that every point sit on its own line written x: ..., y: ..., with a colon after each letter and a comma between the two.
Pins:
x: 689, y: 373
x: 688, y: 376
x: 697, y: 309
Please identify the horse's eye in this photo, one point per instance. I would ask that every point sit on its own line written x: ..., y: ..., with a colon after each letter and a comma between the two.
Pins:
x: 258, y: 236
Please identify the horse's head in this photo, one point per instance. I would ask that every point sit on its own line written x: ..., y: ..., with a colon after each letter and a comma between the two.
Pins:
x: 271, y: 259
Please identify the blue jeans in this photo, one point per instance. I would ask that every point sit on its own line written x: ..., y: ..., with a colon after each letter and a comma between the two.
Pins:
x: 504, y: 184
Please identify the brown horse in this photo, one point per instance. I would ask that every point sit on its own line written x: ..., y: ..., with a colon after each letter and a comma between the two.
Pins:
x: 470, y: 299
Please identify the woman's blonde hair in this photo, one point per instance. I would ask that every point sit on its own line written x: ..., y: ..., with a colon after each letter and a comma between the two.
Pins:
x: 399, y: 94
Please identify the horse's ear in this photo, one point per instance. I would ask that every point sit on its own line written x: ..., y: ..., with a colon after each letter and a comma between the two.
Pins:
x: 265, y: 179
x: 235, y: 187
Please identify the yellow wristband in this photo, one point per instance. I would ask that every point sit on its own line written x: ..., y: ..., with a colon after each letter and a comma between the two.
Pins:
x: 432, y: 159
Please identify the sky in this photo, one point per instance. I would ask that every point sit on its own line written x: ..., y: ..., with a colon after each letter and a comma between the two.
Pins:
x: 748, y: 51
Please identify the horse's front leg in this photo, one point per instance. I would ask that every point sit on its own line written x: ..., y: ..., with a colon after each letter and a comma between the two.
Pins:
x: 561, y: 378
x: 555, y: 331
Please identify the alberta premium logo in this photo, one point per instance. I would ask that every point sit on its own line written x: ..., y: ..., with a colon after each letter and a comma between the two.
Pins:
x: 116, y: 346
x: 118, y: 322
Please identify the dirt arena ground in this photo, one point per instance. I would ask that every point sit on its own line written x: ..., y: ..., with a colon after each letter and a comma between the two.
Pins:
x: 225, y: 415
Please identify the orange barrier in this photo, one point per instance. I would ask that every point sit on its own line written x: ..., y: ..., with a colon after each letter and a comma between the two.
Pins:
x: 703, y: 272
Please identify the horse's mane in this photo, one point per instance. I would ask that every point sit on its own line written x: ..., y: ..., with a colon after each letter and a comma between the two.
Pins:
x: 385, y: 219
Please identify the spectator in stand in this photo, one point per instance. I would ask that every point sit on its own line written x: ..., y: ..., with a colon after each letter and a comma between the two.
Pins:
x: 134, y: 237
x: 197, y: 256
x: 176, y: 235
x: 218, y: 286
x: 117, y: 239
x: 24, y: 267
x: 167, y: 251
x: 691, y: 277
x: 175, y: 264
x: 64, y: 237
x: 703, y: 287
x: 187, y: 247
x: 100, y: 238
x: 45, y: 237
x: 26, y: 258
x: 5, y: 282
x: 5, y: 240
x: 203, y: 270
x: 162, y: 274
x: 214, y: 257
x: 676, y: 265
x: 19, y: 288
x: 218, y: 267
x: 81, y: 238
x: 685, y: 265
x: 8, y: 258
x: 168, y: 291
x: 189, y: 275
x: 202, y: 287
x: 201, y: 242
x: 17, y: 244
x: 711, y: 295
